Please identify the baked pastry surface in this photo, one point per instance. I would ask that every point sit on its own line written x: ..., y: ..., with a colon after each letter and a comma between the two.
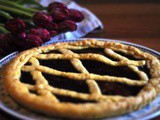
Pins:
x: 37, y: 80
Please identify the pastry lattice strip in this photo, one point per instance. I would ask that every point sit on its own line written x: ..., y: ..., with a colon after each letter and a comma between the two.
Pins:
x: 41, y: 82
x: 93, y: 87
x: 44, y: 89
x: 90, y: 56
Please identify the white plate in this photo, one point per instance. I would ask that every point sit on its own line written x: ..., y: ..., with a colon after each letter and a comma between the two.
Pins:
x: 8, y: 105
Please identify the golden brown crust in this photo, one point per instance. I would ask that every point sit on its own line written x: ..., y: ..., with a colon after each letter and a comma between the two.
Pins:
x: 106, y: 106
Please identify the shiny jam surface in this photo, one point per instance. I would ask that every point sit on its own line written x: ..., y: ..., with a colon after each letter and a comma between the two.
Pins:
x: 93, y: 67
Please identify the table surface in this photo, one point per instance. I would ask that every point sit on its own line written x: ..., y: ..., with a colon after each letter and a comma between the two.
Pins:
x: 132, y: 22
x: 137, y: 23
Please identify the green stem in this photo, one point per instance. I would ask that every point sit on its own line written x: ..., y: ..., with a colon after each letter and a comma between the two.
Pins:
x: 1, y: 24
x: 3, y: 30
x: 5, y: 14
x: 15, y: 5
x: 19, y: 1
x: 15, y: 11
x: 32, y: 2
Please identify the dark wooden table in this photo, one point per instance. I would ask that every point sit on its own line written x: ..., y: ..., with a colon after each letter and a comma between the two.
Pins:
x: 133, y: 22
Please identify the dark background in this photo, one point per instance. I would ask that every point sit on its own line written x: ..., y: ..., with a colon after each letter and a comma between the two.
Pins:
x: 118, y: 1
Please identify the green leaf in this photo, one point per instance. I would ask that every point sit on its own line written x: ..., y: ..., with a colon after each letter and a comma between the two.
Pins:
x: 5, y: 14
x: 3, y: 30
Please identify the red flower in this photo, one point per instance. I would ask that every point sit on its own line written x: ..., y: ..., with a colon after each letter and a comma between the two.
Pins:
x: 53, y: 33
x: 67, y: 25
x: 15, y: 25
x: 42, y: 33
x: 59, y: 14
x: 32, y: 41
x: 41, y: 19
x: 51, y: 26
x: 6, y: 44
x: 75, y: 15
x: 19, y: 36
x: 53, y: 5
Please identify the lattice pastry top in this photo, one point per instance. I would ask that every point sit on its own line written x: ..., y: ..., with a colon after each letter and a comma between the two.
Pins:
x: 110, y: 92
